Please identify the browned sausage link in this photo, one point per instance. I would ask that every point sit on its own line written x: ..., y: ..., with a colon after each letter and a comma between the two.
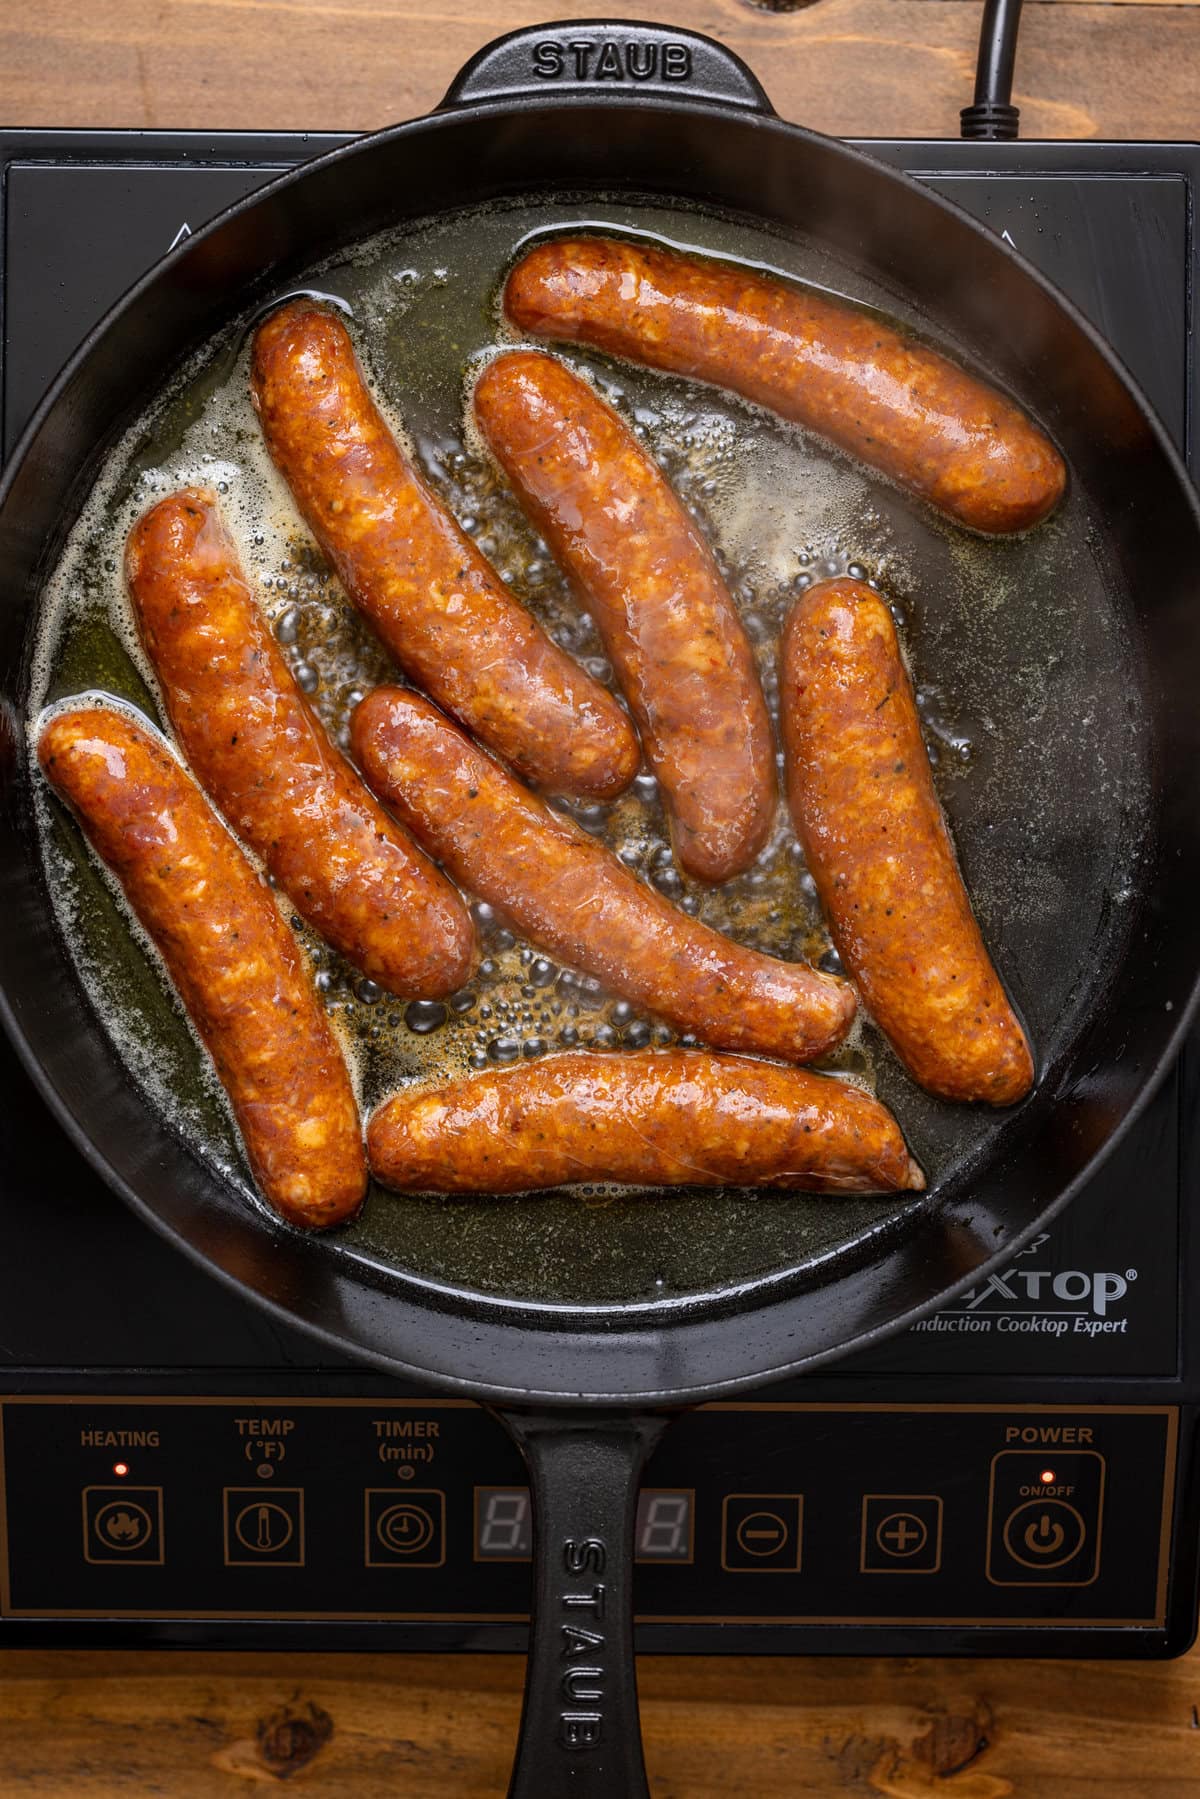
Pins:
x: 263, y: 757
x: 662, y: 1118
x: 438, y: 605
x: 868, y: 817
x: 572, y: 896
x: 229, y: 953
x: 834, y: 368
x: 650, y: 582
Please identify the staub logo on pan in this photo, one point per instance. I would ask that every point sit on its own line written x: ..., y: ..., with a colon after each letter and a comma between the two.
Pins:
x: 583, y: 59
x: 581, y: 1719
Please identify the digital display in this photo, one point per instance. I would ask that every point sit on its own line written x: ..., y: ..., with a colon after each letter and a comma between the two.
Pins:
x: 664, y: 1526
x: 504, y: 1525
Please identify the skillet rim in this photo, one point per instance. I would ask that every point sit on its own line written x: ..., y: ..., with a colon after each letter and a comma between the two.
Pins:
x: 607, y: 110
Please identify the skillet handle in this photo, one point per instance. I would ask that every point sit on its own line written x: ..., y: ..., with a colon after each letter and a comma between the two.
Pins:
x: 607, y: 60
x: 580, y: 1732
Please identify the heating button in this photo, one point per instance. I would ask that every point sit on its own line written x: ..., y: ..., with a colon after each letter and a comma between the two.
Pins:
x: 1044, y: 1518
x: 123, y: 1525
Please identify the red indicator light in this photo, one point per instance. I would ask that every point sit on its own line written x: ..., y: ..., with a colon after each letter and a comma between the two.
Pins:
x: 121, y: 1468
x: 1046, y: 1476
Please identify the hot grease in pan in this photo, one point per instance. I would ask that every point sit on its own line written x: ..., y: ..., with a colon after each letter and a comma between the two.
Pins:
x: 1016, y: 649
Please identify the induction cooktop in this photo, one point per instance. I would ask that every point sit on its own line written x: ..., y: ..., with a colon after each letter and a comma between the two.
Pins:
x: 1014, y: 1474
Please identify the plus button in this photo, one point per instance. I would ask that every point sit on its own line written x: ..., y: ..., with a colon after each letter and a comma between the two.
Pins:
x: 899, y: 1532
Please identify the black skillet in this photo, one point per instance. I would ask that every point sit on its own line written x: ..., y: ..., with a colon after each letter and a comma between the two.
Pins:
x: 559, y: 108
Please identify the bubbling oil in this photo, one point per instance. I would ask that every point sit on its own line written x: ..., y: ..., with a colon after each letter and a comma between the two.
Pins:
x: 780, y: 511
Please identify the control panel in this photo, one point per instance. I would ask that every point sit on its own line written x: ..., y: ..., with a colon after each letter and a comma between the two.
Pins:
x: 419, y: 1509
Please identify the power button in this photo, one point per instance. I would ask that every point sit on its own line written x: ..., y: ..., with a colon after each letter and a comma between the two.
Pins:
x: 1044, y: 1518
x: 1044, y: 1533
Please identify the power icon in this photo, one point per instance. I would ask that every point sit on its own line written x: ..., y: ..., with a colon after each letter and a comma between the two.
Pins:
x: 1044, y: 1533
x: 1043, y: 1537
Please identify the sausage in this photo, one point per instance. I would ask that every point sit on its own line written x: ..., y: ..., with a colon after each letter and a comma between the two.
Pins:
x: 660, y: 1118
x: 572, y: 896
x: 878, y: 848
x: 264, y: 759
x: 649, y: 580
x: 233, y: 960
x: 835, y: 368
x: 440, y: 608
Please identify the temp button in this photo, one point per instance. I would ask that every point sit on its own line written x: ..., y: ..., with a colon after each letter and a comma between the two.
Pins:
x: 264, y: 1530
x: 1045, y: 1518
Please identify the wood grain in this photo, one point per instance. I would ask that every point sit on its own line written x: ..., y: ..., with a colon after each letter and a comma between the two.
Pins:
x: 854, y: 67
x: 441, y: 1727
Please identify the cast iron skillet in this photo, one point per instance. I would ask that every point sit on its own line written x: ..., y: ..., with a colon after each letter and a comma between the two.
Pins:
x: 521, y: 118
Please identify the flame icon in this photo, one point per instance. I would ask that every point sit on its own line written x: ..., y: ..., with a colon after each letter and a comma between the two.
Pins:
x: 122, y: 1527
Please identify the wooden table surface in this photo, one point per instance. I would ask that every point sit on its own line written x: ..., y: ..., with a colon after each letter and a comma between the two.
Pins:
x: 195, y: 1726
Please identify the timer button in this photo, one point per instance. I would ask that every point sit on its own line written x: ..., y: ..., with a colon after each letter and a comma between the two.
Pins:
x: 404, y: 1529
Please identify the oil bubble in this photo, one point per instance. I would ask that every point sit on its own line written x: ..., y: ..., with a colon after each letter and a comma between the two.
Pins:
x: 425, y: 1015
x: 504, y: 1049
x: 370, y: 992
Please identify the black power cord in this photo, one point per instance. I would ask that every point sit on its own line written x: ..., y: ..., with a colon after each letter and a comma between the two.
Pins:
x: 993, y: 115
